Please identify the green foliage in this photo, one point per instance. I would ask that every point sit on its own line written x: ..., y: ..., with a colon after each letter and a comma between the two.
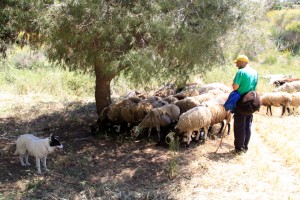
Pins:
x: 18, y: 22
x: 285, y: 29
x: 270, y: 57
x: 144, y: 38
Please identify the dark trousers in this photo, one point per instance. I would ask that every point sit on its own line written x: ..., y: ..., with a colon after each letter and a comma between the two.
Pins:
x: 242, y: 130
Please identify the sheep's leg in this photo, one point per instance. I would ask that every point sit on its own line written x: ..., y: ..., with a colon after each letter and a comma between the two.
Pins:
x: 270, y: 110
x: 22, y: 161
x: 289, y: 110
x: 189, y: 137
x: 209, y: 132
x: 149, y: 131
x: 45, y: 163
x: 228, y: 132
x: 205, y: 133
x: 38, y: 165
x: 221, y: 129
x: 198, y: 135
x: 26, y: 159
x: 283, y: 110
x: 158, y: 132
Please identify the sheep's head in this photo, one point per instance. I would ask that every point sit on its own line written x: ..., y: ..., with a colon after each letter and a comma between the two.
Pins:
x: 135, y: 131
x: 170, y: 137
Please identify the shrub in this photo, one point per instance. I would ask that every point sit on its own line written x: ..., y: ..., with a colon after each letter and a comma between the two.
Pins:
x: 285, y: 29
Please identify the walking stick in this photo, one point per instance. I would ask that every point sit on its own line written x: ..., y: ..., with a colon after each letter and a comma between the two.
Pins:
x: 222, y: 136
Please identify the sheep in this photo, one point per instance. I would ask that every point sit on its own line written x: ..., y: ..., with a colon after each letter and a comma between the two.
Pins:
x: 135, y: 112
x: 170, y: 99
x: 194, y: 120
x: 216, y: 91
x: 187, y: 104
x: 164, y: 92
x: 295, y: 101
x: 274, y: 77
x: 135, y: 99
x: 280, y: 82
x: 223, y: 97
x: 218, y: 115
x: 204, y: 97
x: 212, y: 86
x: 277, y: 99
x: 157, y: 117
x: 103, y: 123
x: 289, y: 87
x: 133, y: 93
x: 186, y: 93
x: 114, y: 110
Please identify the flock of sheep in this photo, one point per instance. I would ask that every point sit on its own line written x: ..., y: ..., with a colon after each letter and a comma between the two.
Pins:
x: 286, y: 96
x: 191, y: 113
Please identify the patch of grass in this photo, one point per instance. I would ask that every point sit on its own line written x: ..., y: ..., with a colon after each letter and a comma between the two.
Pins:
x: 26, y: 72
x: 224, y: 74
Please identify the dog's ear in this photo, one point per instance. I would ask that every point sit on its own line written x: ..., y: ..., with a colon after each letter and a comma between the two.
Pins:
x: 51, y: 137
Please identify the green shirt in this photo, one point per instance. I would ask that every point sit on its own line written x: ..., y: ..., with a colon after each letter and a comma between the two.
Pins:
x: 246, y: 78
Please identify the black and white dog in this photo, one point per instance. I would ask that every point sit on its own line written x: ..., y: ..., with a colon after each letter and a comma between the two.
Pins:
x: 39, y: 148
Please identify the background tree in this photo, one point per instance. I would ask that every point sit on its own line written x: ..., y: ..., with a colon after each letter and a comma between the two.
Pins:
x: 285, y: 29
x: 18, y: 22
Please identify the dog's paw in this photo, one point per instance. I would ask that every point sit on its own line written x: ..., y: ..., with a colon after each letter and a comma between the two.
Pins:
x: 23, y: 164
x: 47, y: 170
x: 27, y: 164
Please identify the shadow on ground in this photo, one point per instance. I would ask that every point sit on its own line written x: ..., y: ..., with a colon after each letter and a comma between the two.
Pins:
x: 88, y: 166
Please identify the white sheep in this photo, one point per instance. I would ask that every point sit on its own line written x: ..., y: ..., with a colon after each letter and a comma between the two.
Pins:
x: 194, y: 120
x: 212, y: 86
x: 157, y: 117
x: 203, y: 97
x: 295, y: 101
x: 218, y: 114
x: 187, y: 104
x: 216, y: 91
x: 289, y: 87
x: 277, y: 99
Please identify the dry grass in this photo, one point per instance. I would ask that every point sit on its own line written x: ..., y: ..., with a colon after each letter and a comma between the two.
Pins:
x: 106, y: 168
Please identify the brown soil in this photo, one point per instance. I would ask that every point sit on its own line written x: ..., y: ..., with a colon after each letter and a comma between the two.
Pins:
x: 106, y: 167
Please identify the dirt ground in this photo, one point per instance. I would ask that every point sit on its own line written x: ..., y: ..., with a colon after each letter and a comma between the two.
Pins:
x: 91, y: 167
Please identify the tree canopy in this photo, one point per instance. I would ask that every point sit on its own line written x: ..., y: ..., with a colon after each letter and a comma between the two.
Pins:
x: 165, y: 40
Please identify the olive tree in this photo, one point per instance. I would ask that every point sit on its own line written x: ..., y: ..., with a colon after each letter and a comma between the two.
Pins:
x: 165, y: 40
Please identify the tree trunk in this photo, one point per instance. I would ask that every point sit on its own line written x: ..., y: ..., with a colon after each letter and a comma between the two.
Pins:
x: 102, y: 91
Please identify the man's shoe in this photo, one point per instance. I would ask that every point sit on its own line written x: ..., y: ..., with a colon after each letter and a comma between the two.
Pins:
x: 239, y: 151
x: 245, y: 149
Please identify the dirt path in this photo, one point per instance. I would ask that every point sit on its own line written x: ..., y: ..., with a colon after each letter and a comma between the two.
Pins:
x: 258, y: 174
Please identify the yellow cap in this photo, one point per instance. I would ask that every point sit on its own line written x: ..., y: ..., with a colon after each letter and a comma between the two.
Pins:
x: 241, y: 58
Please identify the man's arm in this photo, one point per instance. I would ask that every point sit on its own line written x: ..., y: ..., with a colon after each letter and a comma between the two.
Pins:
x: 235, y: 86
